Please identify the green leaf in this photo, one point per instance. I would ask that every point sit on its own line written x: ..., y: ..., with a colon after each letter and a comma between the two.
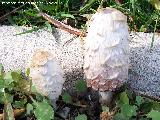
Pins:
x: 34, y: 29
x: 155, y: 115
x: 20, y: 104
x: 49, y: 27
x: 33, y: 89
x: 43, y: 111
x: 8, y: 97
x: 28, y: 72
x: 67, y: 15
x: 124, y: 98
x: 2, y: 87
x: 30, y: 12
x: 139, y: 100
x: 29, y: 108
x: 1, y: 69
x: 8, y: 112
x: 87, y: 6
x: 155, y: 3
x: 128, y: 110
x: 16, y: 75
x: 146, y: 107
x: 105, y: 109
x: 156, y: 106
x: 66, y: 97
x: 81, y: 117
x: 81, y: 85
x: 120, y: 116
x: 8, y: 78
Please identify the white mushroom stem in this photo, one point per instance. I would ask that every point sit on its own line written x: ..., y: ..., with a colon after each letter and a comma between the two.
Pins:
x: 46, y: 74
x: 106, y: 50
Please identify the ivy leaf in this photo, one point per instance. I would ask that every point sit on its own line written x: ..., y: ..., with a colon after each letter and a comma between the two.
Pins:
x: 8, y: 112
x: 81, y: 117
x: 81, y: 85
x: 29, y: 108
x: 66, y: 98
x: 128, y: 110
x: 43, y: 111
x: 155, y: 115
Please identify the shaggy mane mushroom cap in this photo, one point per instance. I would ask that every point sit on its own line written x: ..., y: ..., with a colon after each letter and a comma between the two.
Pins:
x: 46, y: 74
x: 106, y: 50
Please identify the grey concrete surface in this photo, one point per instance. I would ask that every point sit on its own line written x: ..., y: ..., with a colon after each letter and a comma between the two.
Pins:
x: 16, y: 52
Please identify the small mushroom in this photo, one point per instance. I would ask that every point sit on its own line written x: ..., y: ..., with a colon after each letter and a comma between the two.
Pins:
x: 46, y: 74
x: 106, y: 57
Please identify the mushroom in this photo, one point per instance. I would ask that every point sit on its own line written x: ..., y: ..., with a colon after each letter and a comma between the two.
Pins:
x: 46, y: 74
x: 106, y: 57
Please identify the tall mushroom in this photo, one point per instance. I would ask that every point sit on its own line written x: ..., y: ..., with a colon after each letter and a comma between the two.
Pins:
x: 106, y: 52
x: 46, y: 74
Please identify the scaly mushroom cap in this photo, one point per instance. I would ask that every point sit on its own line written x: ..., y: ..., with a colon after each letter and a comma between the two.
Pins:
x: 106, y: 50
x: 46, y: 74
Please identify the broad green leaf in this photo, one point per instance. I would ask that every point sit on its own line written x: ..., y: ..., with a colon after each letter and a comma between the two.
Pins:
x: 43, y: 111
x: 8, y: 78
x: 120, y: 116
x: 128, y: 110
x: 66, y: 97
x: 16, y: 75
x: 81, y: 85
x: 124, y: 98
x: 33, y: 89
x: 155, y: 115
x: 20, y: 104
x: 8, y: 112
x: 7, y: 97
x: 139, y: 100
x: 81, y: 117
x: 29, y: 108
x: 49, y: 27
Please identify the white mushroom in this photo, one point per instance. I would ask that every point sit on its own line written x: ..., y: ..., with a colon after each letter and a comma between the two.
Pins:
x: 106, y: 52
x: 46, y: 74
